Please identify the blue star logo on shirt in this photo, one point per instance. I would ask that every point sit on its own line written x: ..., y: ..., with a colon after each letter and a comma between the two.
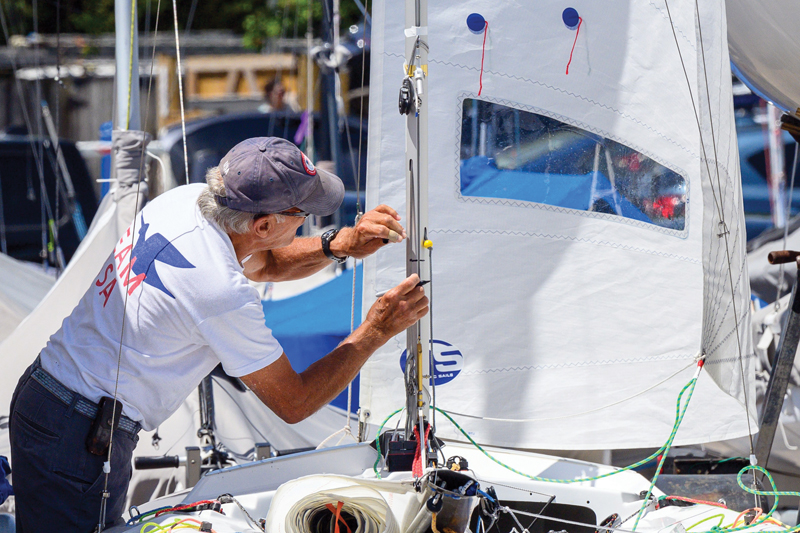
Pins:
x: 154, y: 248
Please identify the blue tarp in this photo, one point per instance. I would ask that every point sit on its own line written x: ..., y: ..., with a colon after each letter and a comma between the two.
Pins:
x: 5, y: 486
x: 310, y: 325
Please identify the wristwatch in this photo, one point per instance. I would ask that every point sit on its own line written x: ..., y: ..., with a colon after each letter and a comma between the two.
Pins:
x: 327, y: 237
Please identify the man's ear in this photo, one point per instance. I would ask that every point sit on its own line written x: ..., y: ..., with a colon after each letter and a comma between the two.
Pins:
x: 262, y: 225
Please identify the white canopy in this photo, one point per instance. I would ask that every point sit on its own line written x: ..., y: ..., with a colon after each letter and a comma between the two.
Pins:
x: 22, y: 286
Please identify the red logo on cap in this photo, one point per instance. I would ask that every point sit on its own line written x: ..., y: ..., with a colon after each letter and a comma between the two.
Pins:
x: 311, y: 170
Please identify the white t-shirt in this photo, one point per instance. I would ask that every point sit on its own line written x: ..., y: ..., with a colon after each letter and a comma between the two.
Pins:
x: 189, y: 307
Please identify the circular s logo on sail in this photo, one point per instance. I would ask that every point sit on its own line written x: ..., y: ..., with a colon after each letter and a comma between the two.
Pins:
x: 448, y: 361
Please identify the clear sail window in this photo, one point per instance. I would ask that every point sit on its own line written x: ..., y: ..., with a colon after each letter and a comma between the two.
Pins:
x: 518, y: 155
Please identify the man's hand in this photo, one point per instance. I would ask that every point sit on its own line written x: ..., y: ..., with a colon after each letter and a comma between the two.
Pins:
x: 293, y: 396
x: 399, y: 308
x: 375, y: 226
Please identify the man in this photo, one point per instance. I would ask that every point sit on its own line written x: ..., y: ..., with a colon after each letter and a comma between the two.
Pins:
x: 275, y: 98
x: 171, y: 303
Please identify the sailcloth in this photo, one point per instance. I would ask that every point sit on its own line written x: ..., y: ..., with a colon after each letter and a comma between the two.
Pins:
x: 114, y: 214
x: 586, y: 221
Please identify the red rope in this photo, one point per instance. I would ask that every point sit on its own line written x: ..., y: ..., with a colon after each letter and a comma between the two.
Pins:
x: 577, y: 31
x: 416, y: 466
x: 184, y: 507
x: 692, y: 500
x: 483, y: 53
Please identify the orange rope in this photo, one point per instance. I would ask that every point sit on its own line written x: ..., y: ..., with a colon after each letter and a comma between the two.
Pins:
x: 336, y: 513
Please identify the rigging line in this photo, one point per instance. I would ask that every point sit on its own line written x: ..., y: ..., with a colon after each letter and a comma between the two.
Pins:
x: 431, y: 358
x: 285, y: 16
x: 3, y: 240
x: 101, y: 521
x: 357, y: 172
x: 694, y: 108
x: 352, y: 328
x: 786, y: 225
x: 180, y: 88
x: 190, y: 18
x: 527, y: 420
x: 59, y: 177
x: 39, y: 134
x: 565, y: 521
x: 361, y: 105
x: 216, y: 380
x: 725, y: 232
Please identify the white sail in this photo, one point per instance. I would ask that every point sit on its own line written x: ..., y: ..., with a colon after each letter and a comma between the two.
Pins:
x: 765, y: 49
x: 586, y: 227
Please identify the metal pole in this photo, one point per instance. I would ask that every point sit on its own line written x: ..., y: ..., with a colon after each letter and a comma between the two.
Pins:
x: 310, y: 89
x: 781, y: 368
x: 418, y: 341
x: 330, y: 111
x: 127, y: 63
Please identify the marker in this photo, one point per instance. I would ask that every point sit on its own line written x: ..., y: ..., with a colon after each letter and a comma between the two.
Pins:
x: 420, y: 284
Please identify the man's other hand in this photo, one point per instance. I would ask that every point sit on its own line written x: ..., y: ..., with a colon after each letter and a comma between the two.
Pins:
x: 375, y: 226
x: 399, y: 308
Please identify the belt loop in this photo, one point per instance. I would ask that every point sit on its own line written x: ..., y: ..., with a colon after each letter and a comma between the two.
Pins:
x: 71, y: 407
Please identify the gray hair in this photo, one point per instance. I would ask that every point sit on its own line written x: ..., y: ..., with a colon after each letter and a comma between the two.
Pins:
x: 229, y: 220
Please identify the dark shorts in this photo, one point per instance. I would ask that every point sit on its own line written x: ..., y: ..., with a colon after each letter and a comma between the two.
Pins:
x: 57, y: 483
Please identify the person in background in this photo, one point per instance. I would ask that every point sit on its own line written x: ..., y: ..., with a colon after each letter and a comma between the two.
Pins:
x: 276, y: 98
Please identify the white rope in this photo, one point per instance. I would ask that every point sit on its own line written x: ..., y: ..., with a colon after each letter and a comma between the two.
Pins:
x: 693, y: 363
x: 180, y: 89
x: 347, y: 430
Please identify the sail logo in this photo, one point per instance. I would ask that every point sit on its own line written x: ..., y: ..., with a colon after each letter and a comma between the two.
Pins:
x: 448, y: 361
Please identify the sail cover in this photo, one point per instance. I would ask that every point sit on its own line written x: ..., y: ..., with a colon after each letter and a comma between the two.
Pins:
x: 585, y: 213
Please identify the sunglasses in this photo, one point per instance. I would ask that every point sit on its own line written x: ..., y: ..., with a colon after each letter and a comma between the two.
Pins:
x: 293, y: 212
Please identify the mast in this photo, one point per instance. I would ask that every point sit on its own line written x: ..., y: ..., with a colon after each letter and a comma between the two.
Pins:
x: 127, y: 62
x: 415, y: 85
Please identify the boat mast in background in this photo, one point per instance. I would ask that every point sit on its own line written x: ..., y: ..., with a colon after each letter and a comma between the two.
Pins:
x: 414, y: 93
x: 126, y: 27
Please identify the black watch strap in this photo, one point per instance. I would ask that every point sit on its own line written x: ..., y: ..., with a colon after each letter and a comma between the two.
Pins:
x: 326, y: 238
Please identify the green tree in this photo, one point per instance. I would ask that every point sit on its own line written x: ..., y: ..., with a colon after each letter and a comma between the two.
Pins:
x: 255, y: 20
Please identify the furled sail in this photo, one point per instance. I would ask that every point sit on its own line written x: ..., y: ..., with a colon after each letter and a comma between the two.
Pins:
x: 585, y: 213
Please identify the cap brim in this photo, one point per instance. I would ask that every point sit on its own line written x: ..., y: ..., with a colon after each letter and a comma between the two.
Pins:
x: 326, y: 197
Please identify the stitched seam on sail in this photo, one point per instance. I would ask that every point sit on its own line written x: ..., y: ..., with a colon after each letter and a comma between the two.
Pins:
x: 566, y: 237
x: 578, y: 364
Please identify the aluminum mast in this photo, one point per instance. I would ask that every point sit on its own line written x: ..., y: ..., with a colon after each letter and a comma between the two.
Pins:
x: 127, y: 62
x: 415, y: 85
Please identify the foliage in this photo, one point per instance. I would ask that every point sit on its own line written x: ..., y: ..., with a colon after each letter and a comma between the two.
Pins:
x: 256, y: 20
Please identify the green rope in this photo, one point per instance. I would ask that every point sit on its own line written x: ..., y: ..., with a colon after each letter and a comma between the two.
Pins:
x: 758, y: 492
x: 706, y: 519
x: 680, y: 411
x: 378, y: 443
x: 678, y: 418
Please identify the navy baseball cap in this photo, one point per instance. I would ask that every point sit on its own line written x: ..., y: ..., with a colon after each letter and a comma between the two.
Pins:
x: 270, y: 175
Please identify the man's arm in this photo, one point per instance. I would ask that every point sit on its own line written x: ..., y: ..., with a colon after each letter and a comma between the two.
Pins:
x: 305, y: 257
x: 294, y: 397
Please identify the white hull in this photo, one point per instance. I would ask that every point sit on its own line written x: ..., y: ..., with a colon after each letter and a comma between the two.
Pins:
x: 255, y: 484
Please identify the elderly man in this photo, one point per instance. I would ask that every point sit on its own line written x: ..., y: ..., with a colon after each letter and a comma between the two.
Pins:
x: 171, y: 302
